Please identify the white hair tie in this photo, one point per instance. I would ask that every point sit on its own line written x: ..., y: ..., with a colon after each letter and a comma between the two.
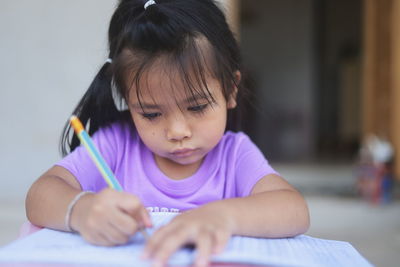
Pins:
x: 149, y: 3
x: 108, y: 60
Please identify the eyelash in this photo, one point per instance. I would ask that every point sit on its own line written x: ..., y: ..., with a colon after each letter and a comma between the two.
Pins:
x: 194, y: 109
x: 198, y: 108
x: 151, y: 116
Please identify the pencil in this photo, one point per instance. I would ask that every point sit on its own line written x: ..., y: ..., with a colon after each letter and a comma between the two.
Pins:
x: 98, y: 159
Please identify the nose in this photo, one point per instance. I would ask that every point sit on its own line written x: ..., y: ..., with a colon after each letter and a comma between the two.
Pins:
x: 178, y: 128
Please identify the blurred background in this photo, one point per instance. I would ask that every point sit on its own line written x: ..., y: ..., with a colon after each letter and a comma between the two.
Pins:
x: 325, y: 88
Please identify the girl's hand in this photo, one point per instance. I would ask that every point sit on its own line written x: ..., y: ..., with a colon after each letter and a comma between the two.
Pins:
x: 208, y: 228
x: 109, y: 218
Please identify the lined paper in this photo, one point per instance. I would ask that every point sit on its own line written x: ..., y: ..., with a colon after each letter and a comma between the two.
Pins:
x: 49, y: 246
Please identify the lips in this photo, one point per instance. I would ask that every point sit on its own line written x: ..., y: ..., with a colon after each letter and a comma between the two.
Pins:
x: 184, y: 152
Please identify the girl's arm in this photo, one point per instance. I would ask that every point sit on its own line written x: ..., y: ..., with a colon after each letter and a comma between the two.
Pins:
x: 274, y: 209
x: 106, y: 218
x: 49, y: 196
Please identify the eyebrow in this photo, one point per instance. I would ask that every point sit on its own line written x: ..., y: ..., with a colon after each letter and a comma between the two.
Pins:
x: 191, y: 99
x: 145, y: 106
x: 195, y: 98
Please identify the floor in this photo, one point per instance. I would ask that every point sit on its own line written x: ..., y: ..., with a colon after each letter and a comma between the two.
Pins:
x: 373, y: 230
x: 336, y: 212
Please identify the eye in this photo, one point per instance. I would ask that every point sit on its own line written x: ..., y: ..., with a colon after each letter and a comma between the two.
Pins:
x: 198, y: 108
x: 151, y: 116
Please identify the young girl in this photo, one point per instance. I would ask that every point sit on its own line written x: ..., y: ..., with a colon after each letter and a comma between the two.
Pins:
x: 158, y: 111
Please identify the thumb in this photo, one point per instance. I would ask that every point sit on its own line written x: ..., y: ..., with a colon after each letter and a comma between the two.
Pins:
x: 132, y: 206
x: 146, y: 218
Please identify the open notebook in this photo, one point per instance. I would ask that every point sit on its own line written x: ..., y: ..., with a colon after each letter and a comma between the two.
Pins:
x: 49, y: 246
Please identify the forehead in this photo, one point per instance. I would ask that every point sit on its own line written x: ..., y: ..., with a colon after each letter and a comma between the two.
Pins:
x: 168, y: 84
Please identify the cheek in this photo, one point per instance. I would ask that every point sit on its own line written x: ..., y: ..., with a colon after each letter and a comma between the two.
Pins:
x: 143, y: 128
x: 213, y: 127
x: 148, y: 132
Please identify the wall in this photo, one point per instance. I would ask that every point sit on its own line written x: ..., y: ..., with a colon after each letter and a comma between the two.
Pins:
x: 51, y: 50
x: 339, y: 38
x: 277, y: 43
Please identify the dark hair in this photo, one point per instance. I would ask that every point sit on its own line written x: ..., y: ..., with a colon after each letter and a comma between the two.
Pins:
x: 191, y: 35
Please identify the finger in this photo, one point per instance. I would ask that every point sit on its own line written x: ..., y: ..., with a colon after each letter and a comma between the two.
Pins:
x: 142, y: 217
x: 167, y: 247
x: 124, y: 223
x: 94, y: 233
x: 129, y: 203
x: 108, y: 230
x: 157, y: 237
x: 114, y: 235
x: 97, y: 239
x: 146, y: 218
x: 204, y: 245
x: 132, y: 206
x: 221, y: 238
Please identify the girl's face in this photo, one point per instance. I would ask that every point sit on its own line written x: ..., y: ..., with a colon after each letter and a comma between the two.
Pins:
x: 179, y: 129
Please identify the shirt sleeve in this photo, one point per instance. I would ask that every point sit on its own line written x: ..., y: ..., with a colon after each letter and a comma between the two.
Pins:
x: 80, y: 164
x: 251, y: 166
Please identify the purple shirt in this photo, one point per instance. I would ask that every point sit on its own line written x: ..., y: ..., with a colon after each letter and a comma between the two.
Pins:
x: 229, y: 170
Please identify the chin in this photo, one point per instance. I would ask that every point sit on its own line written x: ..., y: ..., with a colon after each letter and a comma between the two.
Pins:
x: 186, y: 161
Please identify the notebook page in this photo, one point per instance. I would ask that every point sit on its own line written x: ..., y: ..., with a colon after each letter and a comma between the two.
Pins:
x: 49, y: 246
x: 299, y: 251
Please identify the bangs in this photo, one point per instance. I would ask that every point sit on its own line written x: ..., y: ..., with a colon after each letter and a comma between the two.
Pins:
x: 191, y: 66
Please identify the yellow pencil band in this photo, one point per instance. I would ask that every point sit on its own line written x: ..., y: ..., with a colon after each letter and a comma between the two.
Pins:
x: 76, y: 124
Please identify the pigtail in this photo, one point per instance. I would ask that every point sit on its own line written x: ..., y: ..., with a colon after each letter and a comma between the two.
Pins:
x: 95, y: 109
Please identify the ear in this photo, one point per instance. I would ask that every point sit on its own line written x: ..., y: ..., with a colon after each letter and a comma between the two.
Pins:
x: 232, y: 103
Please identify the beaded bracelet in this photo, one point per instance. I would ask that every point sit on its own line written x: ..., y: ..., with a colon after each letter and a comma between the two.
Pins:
x: 71, y: 206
